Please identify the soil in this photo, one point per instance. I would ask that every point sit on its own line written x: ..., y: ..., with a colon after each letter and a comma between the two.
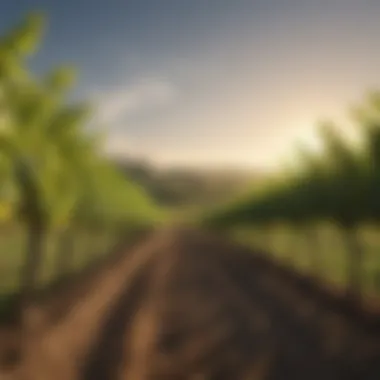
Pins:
x: 184, y: 304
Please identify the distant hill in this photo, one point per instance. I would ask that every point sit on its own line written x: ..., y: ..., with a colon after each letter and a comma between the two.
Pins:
x: 188, y: 186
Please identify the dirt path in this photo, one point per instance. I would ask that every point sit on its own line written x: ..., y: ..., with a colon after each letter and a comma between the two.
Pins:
x: 185, y: 305
x: 59, y: 352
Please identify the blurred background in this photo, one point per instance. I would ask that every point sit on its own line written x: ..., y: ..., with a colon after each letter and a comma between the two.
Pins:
x: 259, y: 117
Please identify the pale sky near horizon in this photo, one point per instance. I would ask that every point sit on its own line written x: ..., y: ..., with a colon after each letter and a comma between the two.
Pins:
x: 212, y: 82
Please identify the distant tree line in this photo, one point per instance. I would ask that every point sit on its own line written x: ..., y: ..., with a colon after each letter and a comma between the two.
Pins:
x: 185, y: 187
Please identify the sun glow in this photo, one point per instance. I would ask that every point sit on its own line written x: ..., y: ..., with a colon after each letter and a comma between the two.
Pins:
x: 310, y: 140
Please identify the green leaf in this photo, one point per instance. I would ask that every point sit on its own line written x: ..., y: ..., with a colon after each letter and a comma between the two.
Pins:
x: 62, y: 78
x: 25, y: 38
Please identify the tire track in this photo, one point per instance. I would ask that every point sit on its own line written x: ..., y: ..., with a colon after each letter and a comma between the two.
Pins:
x: 298, y: 350
x: 186, y: 305
x: 59, y: 353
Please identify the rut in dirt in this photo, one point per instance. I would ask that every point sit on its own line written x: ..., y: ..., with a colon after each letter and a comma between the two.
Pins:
x: 205, y: 309
x: 187, y: 305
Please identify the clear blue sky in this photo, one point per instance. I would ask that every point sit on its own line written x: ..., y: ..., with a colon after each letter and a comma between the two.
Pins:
x: 211, y: 81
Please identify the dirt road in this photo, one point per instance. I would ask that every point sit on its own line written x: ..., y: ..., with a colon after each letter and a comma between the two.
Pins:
x: 185, y: 305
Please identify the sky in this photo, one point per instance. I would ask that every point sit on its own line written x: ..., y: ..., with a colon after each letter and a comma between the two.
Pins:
x: 211, y: 82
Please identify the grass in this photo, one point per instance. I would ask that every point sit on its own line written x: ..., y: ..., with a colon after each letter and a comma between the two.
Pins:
x: 12, y: 248
x: 12, y: 244
x: 295, y: 249
x: 88, y: 247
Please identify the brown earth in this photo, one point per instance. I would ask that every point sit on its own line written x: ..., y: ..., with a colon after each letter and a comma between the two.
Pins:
x: 186, y: 305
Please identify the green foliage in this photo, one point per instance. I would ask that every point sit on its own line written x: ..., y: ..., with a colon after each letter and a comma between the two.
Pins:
x: 61, y: 79
x: 20, y: 42
x: 55, y: 162
x: 53, y: 177
x: 340, y: 184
